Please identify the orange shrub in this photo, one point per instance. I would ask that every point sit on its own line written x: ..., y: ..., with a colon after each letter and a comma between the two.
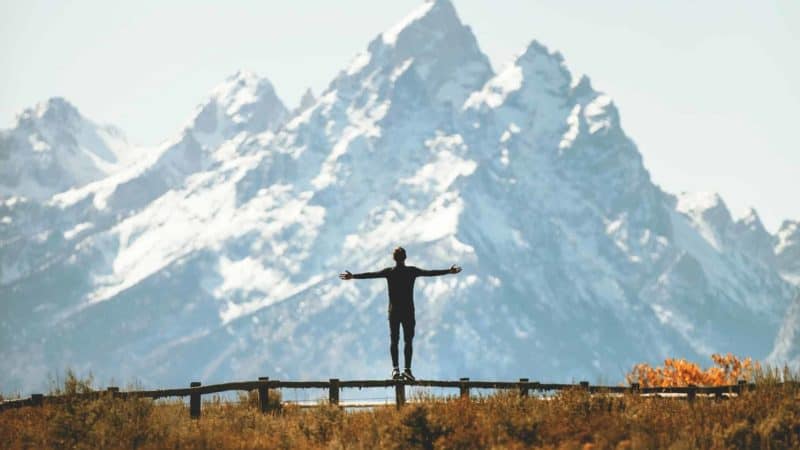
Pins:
x: 728, y: 369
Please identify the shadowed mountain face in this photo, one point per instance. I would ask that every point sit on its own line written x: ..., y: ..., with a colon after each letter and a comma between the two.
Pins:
x: 787, y: 342
x: 214, y: 257
x: 787, y: 250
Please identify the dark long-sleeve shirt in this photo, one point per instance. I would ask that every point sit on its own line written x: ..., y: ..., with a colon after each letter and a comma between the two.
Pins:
x: 401, y: 285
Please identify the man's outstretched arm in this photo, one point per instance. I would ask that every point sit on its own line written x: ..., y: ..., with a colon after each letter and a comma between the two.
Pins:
x: 433, y: 273
x: 346, y: 275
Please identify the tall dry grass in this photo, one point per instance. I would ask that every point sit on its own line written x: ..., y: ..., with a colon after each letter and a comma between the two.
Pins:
x: 765, y: 418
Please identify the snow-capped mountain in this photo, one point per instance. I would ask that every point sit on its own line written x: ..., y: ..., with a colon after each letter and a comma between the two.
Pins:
x: 52, y: 147
x: 787, y: 260
x: 35, y: 234
x: 215, y: 257
x: 306, y: 101
x: 787, y: 342
x: 787, y: 251
x: 754, y: 238
x: 245, y: 103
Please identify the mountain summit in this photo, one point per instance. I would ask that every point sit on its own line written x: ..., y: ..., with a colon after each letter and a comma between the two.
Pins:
x: 52, y: 147
x: 436, y: 47
x: 216, y: 256
x: 245, y: 102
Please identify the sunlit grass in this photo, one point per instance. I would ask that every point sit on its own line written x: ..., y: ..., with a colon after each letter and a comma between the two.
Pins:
x: 767, y: 417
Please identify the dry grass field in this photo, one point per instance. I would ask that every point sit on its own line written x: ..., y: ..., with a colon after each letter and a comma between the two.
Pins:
x: 767, y: 417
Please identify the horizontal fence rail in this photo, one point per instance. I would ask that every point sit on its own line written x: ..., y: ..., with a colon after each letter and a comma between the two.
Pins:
x: 334, y: 386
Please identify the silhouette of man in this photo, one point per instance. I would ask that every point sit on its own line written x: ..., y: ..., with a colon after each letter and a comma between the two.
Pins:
x: 400, y: 279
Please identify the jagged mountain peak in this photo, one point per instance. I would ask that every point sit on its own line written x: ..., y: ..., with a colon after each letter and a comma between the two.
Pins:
x: 440, y: 50
x: 306, y: 100
x: 753, y: 237
x: 544, y: 69
x: 53, y: 147
x: 430, y: 16
x: 752, y: 221
x: 711, y: 216
x: 245, y: 101
x: 239, y: 83
x: 534, y: 78
x: 56, y: 111
x: 708, y: 214
x: 598, y: 110
x: 57, y: 114
x: 582, y: 87
x: 536, y: 50
x: 245, y: 75
x: 709, y: 204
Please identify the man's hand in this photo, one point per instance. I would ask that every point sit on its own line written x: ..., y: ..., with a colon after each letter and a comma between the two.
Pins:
x: 455, y: 269
x: 349, y: 276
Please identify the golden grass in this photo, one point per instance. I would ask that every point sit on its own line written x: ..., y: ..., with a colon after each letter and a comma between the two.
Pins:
x: 765, y: 418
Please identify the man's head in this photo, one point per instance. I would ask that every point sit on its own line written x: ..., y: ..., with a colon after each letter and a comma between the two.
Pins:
x: 399, y: 254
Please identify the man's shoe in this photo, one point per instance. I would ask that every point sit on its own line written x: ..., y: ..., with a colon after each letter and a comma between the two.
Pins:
x: 395, y: 373
x: 408, y: 376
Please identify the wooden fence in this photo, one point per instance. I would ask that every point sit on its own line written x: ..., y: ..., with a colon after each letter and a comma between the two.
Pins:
x: 334, y: 386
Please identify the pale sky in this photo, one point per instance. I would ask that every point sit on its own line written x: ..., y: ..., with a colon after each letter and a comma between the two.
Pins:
x: 709, y: 90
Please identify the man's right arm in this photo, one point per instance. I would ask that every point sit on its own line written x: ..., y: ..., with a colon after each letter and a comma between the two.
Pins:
x: 348, y: 276
x: 381, y: 274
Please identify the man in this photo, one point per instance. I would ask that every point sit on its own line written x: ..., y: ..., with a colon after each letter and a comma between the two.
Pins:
x: 401, y: 303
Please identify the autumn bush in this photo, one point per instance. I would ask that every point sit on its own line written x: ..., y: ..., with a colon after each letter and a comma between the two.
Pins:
x: 767, y: 417
x: 727, y: 370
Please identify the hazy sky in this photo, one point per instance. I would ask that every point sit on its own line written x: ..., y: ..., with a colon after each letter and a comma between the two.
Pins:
x: 709, y: 90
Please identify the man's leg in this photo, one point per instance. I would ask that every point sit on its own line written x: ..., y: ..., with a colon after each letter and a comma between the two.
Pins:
x: 408, y: 337
x: 394, y: 335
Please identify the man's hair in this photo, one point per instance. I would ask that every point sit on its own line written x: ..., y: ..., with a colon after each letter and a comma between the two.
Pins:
x: 399, y: 254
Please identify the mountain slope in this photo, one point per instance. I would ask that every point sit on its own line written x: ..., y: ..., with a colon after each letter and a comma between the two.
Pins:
x: 787, y: 342
x: 787, y: 251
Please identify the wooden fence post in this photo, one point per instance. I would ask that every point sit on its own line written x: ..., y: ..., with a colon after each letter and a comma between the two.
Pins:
x: 333, y: 394
x: 263, y: 393
x: 741, y: 386
x: 399, y: 393
x: 113, y: 391
x: 37, y: 399
x: 692, y: 393
x: 194, y: 400
x: 523, y: 390
x: 464, y: 387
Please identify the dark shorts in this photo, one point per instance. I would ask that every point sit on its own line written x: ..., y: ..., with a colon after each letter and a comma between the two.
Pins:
x: 407, y: 321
